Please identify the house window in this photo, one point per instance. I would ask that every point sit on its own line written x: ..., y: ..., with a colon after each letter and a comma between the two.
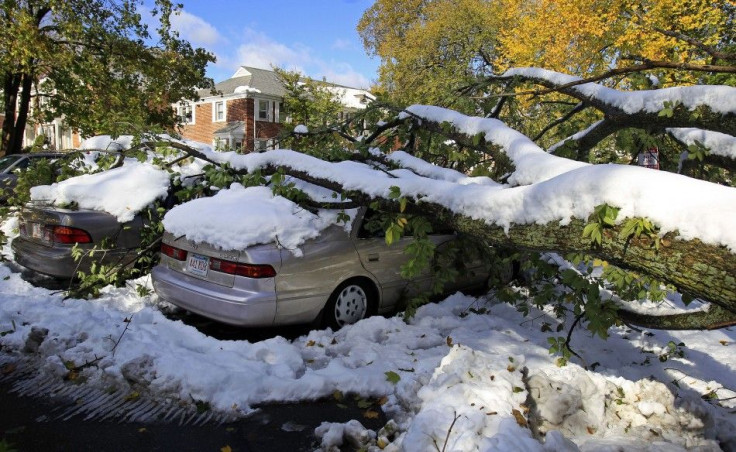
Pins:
x: 264, y: 110
x: 184, y: 113
x: 283, y: 114
x: 218, y: 111
x: 262, y: 145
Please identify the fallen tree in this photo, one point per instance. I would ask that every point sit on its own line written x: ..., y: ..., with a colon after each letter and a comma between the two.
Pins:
x: 673, y: 228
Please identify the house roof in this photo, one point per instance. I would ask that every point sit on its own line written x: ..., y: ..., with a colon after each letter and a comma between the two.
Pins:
x: 249, y: 79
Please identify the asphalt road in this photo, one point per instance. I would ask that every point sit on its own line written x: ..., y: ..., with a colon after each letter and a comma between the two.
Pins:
x: 32, y: 424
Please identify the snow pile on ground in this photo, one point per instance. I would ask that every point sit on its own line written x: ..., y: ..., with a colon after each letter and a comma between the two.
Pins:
x: 122, y: 191
x: 465, y: 371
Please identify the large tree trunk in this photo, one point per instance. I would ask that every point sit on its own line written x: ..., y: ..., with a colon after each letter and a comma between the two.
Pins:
x: 704, y: 271
x: 16, y: 111
x: 11, y: 86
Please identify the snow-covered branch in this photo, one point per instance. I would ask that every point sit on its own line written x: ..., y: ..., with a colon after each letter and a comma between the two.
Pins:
x: 703, y: 107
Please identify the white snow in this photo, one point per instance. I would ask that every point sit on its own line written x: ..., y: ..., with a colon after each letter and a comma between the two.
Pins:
x: 449, y: 365
x: 301, y: 129
x: 717, y: 143
x: 107, y: 143
x: 122, y: 191
x: 242, y: 89
x: 238, y: 217
x: 673, y: 202
x: 721, y: 99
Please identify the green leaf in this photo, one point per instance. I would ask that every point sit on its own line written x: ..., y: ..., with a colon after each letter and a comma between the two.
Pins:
x: 394, y: 192
x: 392, y: 377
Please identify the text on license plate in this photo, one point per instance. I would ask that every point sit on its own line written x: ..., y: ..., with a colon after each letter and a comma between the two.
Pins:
x: 36, y: 230
x: 197, y: 264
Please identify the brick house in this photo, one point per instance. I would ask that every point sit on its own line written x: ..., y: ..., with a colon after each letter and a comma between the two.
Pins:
x: 248, y: 112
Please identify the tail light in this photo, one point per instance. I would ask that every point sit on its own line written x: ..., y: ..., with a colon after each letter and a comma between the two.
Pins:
x: 55, y: 233
x: 172, y: 252
x: 66, y: 234
x: 239, y: 269
x: 223, y: 266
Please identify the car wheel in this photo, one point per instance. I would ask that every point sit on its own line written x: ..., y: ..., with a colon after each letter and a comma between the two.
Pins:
x: 347, y: 304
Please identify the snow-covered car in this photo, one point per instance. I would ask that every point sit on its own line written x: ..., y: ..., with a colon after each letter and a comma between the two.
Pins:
x: 48, y: 234
x: 100, y: 211
x: 338, y: 277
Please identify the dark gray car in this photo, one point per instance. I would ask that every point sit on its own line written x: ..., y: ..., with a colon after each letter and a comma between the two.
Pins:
x: 10, y: 163
x: 341, y: 277
x: 48, y: 234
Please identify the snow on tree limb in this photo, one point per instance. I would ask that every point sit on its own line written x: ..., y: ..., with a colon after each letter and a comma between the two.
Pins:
x: 554, y: 189
x: 717, y: 143
x: 705, y: 107
x: 719, y: 99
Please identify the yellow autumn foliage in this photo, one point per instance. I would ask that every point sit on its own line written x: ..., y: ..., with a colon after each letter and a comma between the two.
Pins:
x: 429, y: 48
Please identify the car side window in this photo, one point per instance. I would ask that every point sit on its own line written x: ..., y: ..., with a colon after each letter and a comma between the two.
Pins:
x: 7, y: 161
x: 374, y: 225
x: 23, y: 164
x: 371, y: 225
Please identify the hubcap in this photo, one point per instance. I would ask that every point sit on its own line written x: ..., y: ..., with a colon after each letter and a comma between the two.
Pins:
x: 351, y: 305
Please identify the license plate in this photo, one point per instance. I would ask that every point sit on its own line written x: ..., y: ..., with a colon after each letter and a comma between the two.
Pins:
x: 198, y: 265
x: 37, y: 230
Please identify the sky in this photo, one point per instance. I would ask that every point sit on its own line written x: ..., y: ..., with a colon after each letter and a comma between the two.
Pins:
x: 315, y: 37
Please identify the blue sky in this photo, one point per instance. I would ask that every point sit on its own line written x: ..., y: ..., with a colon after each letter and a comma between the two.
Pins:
x: 315, y: 37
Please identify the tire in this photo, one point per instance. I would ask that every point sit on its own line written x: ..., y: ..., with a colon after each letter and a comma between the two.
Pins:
x: 349, y: 303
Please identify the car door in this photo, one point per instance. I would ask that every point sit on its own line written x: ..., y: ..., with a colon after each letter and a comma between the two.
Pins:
x: 384, y: 261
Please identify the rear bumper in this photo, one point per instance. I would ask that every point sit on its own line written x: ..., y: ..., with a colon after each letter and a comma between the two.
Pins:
x: 252, y: 306
x: 57, y: 261
x: 48, y: 260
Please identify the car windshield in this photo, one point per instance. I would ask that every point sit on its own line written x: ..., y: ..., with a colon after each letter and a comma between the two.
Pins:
x: 7, y: 161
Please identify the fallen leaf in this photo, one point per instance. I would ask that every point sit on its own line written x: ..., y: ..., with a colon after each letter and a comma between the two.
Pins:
x: 226, y: 449
x: 382, y: 401
x: 724, y: 343
x: 520, y: 419
x: 132, y: 396
x: 393, y: 377
x: 8, y: 368
x: 370, y: 414
x: 511, y: 368
x: 311, y: 343
x: 449, y: 341
x: 142, y: 430
x: 591, y: 430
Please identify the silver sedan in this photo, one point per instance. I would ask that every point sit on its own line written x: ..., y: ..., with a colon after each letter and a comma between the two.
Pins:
x: 340, y: 278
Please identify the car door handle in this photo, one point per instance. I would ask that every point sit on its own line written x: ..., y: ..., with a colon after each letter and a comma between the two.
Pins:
x: 373, y: 258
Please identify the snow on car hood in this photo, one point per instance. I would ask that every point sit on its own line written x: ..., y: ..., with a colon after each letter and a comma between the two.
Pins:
x: 122, y: 192
x: 239, y: 217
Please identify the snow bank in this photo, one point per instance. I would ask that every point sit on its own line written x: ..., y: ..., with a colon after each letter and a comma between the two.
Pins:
x: 472, y: 366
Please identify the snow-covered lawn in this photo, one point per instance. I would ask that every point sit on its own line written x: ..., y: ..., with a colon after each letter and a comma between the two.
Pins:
x: 465, y: 366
